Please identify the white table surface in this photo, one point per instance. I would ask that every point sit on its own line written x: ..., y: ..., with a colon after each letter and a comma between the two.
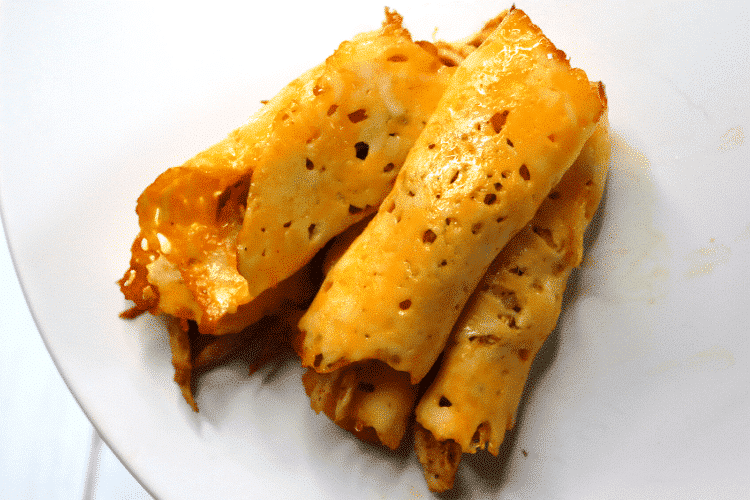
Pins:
x: 48, y: 448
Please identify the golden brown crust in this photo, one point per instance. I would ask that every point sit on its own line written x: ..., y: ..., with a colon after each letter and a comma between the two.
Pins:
x: 475, y: 395
x: 134, y: 284
x: 511, y: 311
x: 359, y: 116
x: 512, y: 121
x: 241, y: 217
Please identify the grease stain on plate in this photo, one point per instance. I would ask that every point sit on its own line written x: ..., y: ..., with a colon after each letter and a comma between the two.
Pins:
x: 624, y: 278
x: 705, y: 259
x: 712, y: 359
x: 732, y: 139
x: 631, y: 254
x: 744, y: 235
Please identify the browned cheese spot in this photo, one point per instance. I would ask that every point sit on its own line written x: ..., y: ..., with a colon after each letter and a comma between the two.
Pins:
x: 545, y: 234
x: 366, y: 387
x: 509, y: 142
x: 318, y: 360
x: 404, y: 304
x: 309, y: 164
x: 311, y: 230
x: 444, y: 402
x: 490, y: 198
x: 509, y: 299
x: 429, y: 236
x: 358, y: 116
x: 475, y: 437
x: 509, y: 319
x: 398, y: 58
x: 524, y: 171
x: 332, y: 109
x: 361, y: 148
x: 517, y: 271
x: 389, y: 167
x: 558, y: 267
x: 288, y: 223
x: 498, y: 121
x: 484, y: 339
x: 523, y: 354
x: 476, y: 228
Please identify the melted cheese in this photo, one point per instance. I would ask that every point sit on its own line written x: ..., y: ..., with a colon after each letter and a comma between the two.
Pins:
x: 475, y: 395
x: 250, y: 211
x: 512, y: 121
x: 335, y: 150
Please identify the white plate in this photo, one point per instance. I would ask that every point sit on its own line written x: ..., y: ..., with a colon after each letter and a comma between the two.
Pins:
x: 643, y: 389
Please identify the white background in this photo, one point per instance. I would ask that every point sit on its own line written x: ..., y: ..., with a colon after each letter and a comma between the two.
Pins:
x: 48, y: 448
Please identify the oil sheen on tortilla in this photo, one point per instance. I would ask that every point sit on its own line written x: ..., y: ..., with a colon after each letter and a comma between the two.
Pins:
x: 512, y: 121
x: 221, y: 232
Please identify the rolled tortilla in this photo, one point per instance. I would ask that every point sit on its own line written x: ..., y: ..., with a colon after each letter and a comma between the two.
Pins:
x: 475, y: 395
x: 453, y: 53
x: 512, y: 121
x: 232, y: 223
x: 370, y: 399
